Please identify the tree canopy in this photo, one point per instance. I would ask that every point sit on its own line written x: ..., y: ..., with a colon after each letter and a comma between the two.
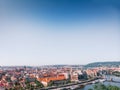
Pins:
x: 103, y: 87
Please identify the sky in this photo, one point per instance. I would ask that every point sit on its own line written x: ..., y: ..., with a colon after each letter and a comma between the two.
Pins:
x: 49, y: 32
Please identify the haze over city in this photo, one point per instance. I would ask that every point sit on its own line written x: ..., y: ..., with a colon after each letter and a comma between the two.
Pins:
x: 48, y: 32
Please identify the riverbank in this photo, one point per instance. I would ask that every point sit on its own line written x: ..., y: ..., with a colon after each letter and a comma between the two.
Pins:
x: 72, y: 85
x: 104, y: 81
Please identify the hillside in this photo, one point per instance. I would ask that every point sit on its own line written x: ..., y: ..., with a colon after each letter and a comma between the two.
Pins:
x: 98, y: 64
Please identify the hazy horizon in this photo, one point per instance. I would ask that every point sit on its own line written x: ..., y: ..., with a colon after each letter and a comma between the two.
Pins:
x: 48, y: 32
x: 54, y: 64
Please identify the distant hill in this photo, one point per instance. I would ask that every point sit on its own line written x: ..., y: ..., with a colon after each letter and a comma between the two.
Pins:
x: 98, y: 64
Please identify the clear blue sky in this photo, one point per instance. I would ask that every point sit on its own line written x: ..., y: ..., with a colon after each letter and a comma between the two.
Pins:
x: 42, y: 32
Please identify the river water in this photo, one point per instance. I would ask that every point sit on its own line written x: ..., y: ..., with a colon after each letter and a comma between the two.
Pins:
x: 105, y: 83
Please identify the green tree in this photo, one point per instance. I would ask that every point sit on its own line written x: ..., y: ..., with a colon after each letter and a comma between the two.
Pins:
x: 103, y: 87
x: 51, y: 83
x: 38, y: 84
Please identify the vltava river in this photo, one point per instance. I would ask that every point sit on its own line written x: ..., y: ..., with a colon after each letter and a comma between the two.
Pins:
x: 105, y: 83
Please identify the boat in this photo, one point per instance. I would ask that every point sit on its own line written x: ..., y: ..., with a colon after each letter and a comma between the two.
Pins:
x: 82, y: 86
x: 102, y: 80
x: 93, y: 82
x: 96, y: 81
x: 77, y: 87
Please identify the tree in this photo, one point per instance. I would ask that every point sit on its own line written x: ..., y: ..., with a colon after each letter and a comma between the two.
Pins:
x: 50, y: 83
x: 103, y: 87
x: 38, y: 84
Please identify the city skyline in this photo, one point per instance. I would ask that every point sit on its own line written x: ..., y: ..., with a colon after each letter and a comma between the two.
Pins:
x: 48, y: 32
